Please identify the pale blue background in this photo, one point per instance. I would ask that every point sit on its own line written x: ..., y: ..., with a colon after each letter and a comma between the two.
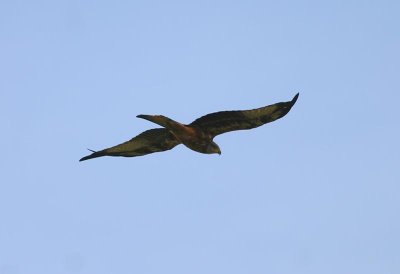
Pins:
x: 315, y: 192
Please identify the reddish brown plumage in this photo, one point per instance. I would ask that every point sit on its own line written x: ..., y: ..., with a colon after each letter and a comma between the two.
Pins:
x: 198, y: 135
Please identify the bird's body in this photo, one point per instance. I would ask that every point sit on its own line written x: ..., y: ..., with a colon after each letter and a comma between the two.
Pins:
x: 191, y: 136
x: 198, y: 135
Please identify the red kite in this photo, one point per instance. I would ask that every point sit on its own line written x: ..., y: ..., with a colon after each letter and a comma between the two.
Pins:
x: 198, y: 135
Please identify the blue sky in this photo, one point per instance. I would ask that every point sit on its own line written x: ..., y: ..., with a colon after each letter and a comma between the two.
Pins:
x: 315, y: 192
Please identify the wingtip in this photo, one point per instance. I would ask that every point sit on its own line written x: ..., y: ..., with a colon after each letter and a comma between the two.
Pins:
x: 295, y: 98
x: 83, y: 159
x: 94, y: 154
x: 91, y: 156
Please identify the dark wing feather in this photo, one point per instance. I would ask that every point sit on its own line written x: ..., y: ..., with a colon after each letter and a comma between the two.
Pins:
x: 225, y: 121
x: 150, y: 141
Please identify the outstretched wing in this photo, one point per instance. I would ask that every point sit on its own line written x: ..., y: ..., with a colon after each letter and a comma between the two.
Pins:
x: 225, y: 121
x: 150, y: 141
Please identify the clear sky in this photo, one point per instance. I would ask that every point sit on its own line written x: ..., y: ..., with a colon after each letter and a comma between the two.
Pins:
x: 315, y: 192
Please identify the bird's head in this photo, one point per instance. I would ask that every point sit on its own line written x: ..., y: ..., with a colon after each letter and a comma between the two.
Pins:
x: 213, y: 148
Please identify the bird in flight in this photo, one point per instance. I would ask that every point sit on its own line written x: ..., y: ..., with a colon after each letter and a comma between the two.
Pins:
x: 197, y: 135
